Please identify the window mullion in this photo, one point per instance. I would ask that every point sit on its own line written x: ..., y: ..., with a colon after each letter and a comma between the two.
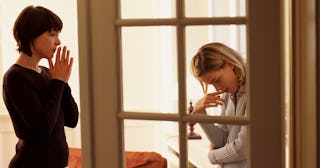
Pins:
x: 182, y: 85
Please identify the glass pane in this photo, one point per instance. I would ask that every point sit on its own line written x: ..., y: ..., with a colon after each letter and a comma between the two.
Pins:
x: 215, y: 8
x: 233, y: 36
x: 228, y: 142
x: 145, y: 139
x: 149, y: 67
x: 131, y: 9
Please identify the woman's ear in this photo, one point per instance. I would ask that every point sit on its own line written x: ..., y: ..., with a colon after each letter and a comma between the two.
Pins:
x: 231, y: 66
x: 234, y: 70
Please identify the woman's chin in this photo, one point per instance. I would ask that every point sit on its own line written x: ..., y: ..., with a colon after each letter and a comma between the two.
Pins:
x: 50, y: 56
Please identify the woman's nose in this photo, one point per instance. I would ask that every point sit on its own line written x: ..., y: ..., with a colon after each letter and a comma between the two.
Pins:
x: 58, y: 42
x: 217, y: 87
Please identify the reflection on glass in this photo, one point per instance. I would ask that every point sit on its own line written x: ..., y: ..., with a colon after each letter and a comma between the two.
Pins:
x: 146, y: 139
x: 149, y: 64
x: 215, y: 8
x: 134, y: 9
x: 232, y: 35
x: 229, y: 139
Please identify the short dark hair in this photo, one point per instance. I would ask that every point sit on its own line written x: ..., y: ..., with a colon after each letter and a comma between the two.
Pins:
x: 31, y: 23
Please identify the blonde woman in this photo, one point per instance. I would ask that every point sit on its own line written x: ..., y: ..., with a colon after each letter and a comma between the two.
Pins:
x: 218, y: 65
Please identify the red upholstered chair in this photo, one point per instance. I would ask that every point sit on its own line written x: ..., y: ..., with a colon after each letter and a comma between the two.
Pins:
x: 145, y: 160
x: 133, y: 159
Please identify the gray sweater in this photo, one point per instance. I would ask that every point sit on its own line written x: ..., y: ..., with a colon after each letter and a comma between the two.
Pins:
x: 229, y: 140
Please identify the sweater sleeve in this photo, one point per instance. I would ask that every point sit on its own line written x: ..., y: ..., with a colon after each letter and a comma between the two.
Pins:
x: 38, y: 112
x: 70, y: 108
x: 217, y: 134
x: 233, y: 151
x: 234, y: 147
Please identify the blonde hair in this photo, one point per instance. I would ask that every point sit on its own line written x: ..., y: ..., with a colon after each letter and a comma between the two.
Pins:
x: 212, y: 57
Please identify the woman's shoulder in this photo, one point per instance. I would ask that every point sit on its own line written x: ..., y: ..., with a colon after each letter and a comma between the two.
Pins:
x: 13, y: 71
x: 18, y: 73
x: 18, y: 69
x: 44, y: 69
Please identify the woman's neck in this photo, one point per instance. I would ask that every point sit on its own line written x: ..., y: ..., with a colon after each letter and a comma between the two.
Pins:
x: 28, y: 62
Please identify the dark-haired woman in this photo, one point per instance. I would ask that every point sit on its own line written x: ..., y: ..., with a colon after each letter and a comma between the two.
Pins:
x: 39, y: 99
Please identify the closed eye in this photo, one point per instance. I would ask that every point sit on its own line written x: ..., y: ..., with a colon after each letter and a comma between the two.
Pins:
x: 215, y: 81
x: 54, y: 33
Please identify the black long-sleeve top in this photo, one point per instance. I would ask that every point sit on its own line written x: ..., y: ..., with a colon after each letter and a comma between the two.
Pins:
x: 39, y: 107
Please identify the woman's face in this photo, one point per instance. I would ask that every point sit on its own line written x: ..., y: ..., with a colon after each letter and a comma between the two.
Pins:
x: 223, y: 79
x: 45, y: 45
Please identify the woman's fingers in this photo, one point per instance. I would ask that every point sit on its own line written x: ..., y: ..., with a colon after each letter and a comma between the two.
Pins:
x: 62, y: 56
x: 213, y: 104
x: 50, y: 63
x: 58, y: 55
x: 216, y: 93
x: 217, y: 100
x: 213, y: 99
x: 61, y: 69
x: 67, y: 57
x: 64, y: 51
x: 209, y: 100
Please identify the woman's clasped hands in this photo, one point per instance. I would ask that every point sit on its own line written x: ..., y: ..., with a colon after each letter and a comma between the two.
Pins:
x: 61, y: 69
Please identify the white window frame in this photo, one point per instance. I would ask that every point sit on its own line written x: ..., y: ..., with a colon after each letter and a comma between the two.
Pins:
x: 304, y: 95
x: 180, y: 22
x: 102, y: 124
